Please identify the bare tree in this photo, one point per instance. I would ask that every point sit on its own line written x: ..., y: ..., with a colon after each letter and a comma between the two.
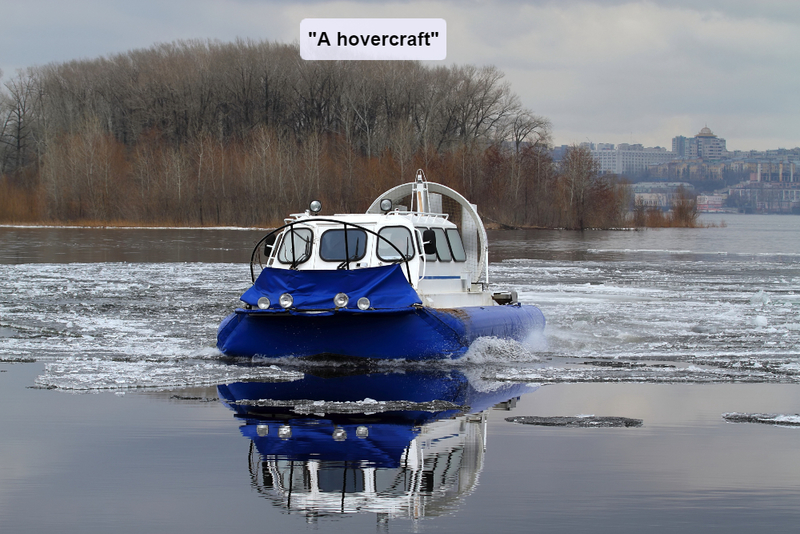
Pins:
x: 18, y: 119
x: 236, y: 131
x: 579, y: 176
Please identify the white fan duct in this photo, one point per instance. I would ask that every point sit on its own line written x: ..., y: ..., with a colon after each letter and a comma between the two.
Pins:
x: 473, y: 233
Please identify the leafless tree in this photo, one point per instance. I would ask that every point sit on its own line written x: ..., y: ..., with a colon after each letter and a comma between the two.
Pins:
x: 202, y: 132
x: 579, y: 176
x: 18, y: 119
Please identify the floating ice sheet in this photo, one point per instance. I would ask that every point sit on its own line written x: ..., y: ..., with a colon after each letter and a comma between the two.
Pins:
x: 97, y: 374
x: 100, y: 326
x: 583, y: 421
x: 764, y: 418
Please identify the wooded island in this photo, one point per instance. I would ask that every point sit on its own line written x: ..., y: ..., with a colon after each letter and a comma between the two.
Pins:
x: 209, y: 133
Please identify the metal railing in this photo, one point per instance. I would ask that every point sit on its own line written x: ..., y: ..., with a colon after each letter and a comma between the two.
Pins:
x: 256, y: 254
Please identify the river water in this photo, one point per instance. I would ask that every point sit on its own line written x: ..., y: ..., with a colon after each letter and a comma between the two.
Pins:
x: 119, y: 414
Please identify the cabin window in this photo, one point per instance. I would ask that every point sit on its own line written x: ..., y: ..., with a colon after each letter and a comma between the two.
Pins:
x: 296, y: 246
x: 456, y: 246
x: 421, y: 245
x: 401, y: 238
x: 333, y: 244
x: 442, y: 249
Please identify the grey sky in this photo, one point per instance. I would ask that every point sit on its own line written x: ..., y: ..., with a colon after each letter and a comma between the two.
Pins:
x: 604, y: 71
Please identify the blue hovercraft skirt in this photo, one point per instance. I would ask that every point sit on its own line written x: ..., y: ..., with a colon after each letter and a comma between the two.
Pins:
x: 414, y: 333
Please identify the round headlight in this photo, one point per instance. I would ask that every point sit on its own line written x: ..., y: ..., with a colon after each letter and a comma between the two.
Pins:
x: 262, y: 430
x: 285, y: 432
x: 386, y: 204
x: 263, y: 303
x: 341, y: 300
x: 286, y: 300
x: 363, y: 303
x: 362, y: 431
x: 339, y: 434
x: 315, y: 206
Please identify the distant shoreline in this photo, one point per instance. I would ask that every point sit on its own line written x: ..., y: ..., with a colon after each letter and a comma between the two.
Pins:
x: 490, y: 225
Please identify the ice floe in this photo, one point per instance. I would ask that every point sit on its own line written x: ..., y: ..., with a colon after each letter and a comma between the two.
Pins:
x: 764, y: 418
x: 630, y: 317
x: 583, y: 421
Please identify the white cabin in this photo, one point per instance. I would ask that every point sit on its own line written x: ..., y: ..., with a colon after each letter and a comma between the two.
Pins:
x: 452, y: 273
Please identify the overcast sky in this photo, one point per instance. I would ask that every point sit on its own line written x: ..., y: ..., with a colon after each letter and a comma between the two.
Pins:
x: 602, y: 71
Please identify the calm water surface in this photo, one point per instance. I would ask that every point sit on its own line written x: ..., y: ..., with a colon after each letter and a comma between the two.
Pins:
x: 119, y: 415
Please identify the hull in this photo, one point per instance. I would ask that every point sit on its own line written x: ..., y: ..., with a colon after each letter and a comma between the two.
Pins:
x: 417, y: 333
x: 353, y: 285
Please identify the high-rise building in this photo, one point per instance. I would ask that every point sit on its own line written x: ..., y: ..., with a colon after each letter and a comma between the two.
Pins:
x: 680, y: 146
x: 709, y: 146
x: 705, y: 145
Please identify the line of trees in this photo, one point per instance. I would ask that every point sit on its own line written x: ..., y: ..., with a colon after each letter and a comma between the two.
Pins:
x: 208, y: 133
x: 682, y: 213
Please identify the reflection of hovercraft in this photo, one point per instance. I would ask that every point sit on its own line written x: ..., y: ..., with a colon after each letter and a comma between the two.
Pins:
x: 402, y: 444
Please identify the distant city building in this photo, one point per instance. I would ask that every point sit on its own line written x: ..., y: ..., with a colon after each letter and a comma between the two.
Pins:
x: 765, y: 197
x: 686, y: 169
x: 711, y: 203
x: 705, y: 145
x: 558, y: 152
x: 661, y: 195
x: 768, y: 181
x: 635, y: 159
x: 626, y: 158
x: 768, y: 171
x: 746, y: 167
x: 680, y: 146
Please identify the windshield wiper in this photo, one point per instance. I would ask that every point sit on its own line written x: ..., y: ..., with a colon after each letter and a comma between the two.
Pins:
x: 348, y: 258
x: 306, y: 253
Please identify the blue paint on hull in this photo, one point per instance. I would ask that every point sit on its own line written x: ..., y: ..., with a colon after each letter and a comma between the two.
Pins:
x: 416, y: 333
x: 396, y: 325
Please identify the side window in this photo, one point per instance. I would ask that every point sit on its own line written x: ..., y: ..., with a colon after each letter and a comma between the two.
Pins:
x: 442, y: 250
x: 456, y: 246
x: 421, y: 246
x: 333, y: 243
x: 296, y: 246
x: 401, y: 238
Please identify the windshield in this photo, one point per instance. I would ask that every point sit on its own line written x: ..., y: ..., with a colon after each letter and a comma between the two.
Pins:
x: 400, y: 237
x: 334, y: 243
x: 296, y: 246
